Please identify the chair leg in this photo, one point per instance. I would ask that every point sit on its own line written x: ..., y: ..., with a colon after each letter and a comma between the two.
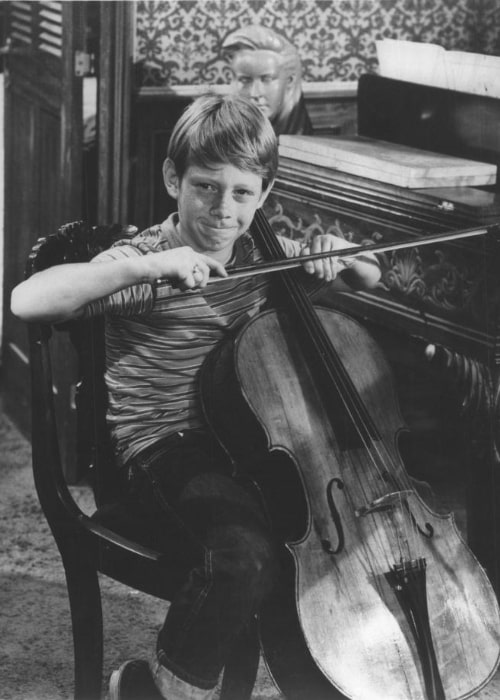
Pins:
x: 86, y: 616
x: 240, y: 672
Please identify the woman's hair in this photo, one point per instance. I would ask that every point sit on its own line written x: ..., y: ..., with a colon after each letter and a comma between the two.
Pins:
x: 224, y: 129
x: 254, y: 37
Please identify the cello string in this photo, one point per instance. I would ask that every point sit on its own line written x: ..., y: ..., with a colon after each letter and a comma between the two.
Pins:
x: 356, y: 410
x: 337, y: 376
x: 343, y: 384
x: 376, y: 449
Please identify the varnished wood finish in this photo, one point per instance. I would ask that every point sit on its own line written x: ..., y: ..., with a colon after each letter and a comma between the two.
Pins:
x: 353, y: 624
x: 444, y: 295
x: 154, y: 120
x: 437, y: 292
x: 443, y: 121
x: 114, y: 123
x: 43, y: 165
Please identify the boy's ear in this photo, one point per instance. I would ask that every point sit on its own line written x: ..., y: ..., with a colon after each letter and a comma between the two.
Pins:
x: 170, y: 178
x: 264, y: 194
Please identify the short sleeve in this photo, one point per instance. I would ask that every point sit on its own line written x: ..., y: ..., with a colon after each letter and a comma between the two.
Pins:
x: 131, y: 301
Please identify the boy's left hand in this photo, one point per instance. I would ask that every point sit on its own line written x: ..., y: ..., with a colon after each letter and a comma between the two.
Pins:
x: 326, y: 268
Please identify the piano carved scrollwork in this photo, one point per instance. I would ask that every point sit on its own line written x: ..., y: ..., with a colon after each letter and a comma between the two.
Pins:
x: 439, y: 283
x: 298, y: 229
x: 435, y: 313
x: 429, y: 278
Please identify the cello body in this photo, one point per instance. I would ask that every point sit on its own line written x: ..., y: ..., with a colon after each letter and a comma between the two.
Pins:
x: 391, y: 602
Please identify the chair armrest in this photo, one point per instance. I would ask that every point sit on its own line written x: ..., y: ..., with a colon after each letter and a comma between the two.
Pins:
x: 113, y: 539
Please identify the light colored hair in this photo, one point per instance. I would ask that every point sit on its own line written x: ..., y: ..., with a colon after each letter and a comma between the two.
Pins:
x: 254, y: 37
x: 224, y: 129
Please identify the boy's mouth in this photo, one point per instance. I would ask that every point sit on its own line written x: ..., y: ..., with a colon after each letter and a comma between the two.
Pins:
x: 217, y: 227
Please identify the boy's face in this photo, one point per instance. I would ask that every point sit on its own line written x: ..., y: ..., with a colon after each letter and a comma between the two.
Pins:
x: 259, y: 75
x: 216, y: 205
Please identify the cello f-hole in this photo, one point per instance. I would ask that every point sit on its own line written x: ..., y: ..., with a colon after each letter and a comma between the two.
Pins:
x: 327, y: 546
x: 428, y: 527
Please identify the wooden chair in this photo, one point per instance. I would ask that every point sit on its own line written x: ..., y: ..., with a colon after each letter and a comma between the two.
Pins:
x: 86, y: 547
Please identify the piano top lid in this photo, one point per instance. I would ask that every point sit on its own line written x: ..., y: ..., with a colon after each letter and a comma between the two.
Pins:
x: 385, y: 161
x: 430, y: 118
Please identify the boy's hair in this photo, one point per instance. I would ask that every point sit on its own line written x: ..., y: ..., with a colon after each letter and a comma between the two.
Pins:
x: 224, y: 129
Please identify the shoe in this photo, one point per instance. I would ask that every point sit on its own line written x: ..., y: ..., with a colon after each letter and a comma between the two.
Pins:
x: 133, y: 681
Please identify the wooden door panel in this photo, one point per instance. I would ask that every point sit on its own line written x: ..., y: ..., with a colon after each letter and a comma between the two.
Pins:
x: 43, y: 184
x: 44, y: 153
x: 34, y: 201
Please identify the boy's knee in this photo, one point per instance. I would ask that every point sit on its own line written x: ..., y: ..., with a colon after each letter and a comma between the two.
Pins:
x: 251, y: 565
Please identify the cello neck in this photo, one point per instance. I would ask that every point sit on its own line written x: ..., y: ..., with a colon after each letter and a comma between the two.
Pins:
x: 351, y: 421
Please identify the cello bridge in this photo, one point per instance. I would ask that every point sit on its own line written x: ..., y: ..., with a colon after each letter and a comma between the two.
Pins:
x: 386, y: 502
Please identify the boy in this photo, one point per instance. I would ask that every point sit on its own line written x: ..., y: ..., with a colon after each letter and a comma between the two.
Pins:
x: 181, y: 498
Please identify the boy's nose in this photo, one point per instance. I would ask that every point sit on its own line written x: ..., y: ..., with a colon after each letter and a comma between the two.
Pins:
x: 221, y: 206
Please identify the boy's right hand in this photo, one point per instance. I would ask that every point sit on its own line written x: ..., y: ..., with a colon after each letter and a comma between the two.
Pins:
x: 181, y: 267
x: 62, y: 292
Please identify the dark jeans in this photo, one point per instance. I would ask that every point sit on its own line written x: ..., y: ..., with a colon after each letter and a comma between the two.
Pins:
x: 183, y: 501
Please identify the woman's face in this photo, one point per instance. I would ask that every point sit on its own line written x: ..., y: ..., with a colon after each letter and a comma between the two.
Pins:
x: 259, y: 75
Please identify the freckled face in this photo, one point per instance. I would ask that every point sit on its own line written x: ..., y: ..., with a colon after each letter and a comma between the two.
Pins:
x: 259, y: 75
x: 216, y: 206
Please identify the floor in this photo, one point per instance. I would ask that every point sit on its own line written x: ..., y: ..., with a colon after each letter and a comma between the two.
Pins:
x: 1, y: 203
x: 36, y: 661
x: 34, y: 614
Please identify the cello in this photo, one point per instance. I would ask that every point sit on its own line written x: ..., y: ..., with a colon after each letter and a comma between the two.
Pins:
x: 390, y: 601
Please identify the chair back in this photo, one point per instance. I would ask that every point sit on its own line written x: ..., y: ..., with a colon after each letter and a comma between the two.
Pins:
x: 69, y: 399
x: 87, y: 546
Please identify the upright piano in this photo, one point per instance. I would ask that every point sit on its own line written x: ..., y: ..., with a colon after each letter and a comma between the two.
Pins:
x: 435, y: 311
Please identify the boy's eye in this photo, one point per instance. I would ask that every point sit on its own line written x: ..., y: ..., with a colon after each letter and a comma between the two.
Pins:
x: 206, y: 186
x: 243, y: 193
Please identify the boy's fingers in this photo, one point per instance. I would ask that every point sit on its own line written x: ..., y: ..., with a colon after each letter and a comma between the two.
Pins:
x: 308, y: 266
x: 327, y: 267
x: 198, y: 274
x: 215, y: 266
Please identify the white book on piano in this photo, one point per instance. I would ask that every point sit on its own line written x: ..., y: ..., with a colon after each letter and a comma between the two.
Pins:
x: 431, y: 64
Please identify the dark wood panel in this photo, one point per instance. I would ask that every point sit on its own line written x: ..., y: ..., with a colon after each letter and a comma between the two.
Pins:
x: 34, y: 193
x: 43, y: 167
x: 153, y: 121
x: 434, y: 119
x: 438, y: 292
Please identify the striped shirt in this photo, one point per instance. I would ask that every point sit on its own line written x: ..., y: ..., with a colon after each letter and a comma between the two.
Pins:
x: 157, y: 338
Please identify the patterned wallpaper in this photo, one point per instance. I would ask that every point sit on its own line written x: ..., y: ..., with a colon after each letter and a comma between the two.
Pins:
x: 177, y: 41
